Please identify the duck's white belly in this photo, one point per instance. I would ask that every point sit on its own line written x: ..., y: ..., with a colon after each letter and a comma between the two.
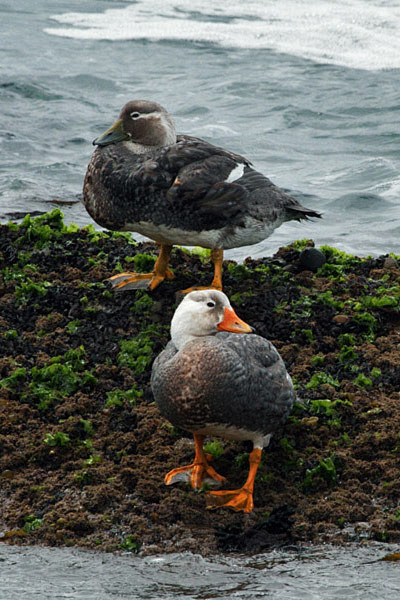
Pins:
x: 254, y: 231
x: 234, y: 433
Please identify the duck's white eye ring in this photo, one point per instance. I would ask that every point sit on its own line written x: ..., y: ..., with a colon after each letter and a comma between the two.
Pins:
x: 211, y: 304
x: 134, y: 115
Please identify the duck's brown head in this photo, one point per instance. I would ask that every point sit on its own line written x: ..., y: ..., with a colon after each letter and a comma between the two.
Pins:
x: 145, y: 124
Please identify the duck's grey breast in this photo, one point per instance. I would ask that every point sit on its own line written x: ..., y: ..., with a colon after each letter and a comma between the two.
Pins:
x: 122, y: 188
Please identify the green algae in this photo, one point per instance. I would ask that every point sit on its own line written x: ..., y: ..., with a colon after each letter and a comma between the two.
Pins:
x: 10, y: 334
x: 73, y: 326
x: 118, y: 397
x: 319, y: 378
x: 215, y: 448
x: 347, y: 355
x: 83, y: 477
x: 136, y: 353
x: 144, y: 263
x: 131, y: 544
x: 202, y: 253
x: 142, y: 303
x: 17, y: 377
x: 327, y: 407
x: 55, y: 381
x: 59, y: 438
x: 326, y: 469
x: 239, y: 271
x: 32, y: 522
x: 363, y: 381
x: 62, y: 376
x: 318, y: 360
x: 30, y: 291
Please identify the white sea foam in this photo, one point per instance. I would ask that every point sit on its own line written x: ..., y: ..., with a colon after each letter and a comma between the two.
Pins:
x: 361, y: 34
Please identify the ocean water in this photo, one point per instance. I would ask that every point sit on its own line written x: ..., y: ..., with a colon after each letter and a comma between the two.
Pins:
x: 320, y: 573
x: 308, y: 90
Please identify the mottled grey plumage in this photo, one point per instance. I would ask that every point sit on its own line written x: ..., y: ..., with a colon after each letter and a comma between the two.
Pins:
x: 225, y: 380
x: 213, y: 379
x: 174, y: 189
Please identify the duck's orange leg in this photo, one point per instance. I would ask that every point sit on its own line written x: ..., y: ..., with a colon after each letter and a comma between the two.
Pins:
x: 217, y: 256
x: 241, y: 499
x: 198, y: 472
x: 134, y: 281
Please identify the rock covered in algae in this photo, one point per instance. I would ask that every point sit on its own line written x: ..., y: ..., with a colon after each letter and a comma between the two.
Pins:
x: 83, y: 449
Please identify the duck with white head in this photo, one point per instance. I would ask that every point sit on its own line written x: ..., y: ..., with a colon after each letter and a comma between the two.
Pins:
x: 212, y: 380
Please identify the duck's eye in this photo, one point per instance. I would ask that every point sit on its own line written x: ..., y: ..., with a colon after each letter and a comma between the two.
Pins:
x: 134, y: 115
x: 211, y: 304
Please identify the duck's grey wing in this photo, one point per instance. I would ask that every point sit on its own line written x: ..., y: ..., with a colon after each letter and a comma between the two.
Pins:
x: 181, y: 186
x: 268, y: 202
x: 264, y: 383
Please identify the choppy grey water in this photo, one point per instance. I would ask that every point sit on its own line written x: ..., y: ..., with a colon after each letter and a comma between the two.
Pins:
x: 309, y: 91
x: 321, y: 573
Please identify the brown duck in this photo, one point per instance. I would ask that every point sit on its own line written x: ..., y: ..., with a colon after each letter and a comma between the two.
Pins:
x: 178, y: 189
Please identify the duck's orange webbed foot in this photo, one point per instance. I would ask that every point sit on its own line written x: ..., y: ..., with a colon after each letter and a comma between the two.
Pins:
x: 241, y: 499
x: 136, y: 281
x: 197, y: 474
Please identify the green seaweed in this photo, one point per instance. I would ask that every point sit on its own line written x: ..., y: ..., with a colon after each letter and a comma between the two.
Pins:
x: 32, y: 522
x: 10, y: 334
x: 83, y: 477
x: 131, y: 544
x: 136, y: 353
x: 362, y: 381
x: 326, y: 469
x: 29, y: 291
x: 142, y: 304
x: 320, y: 378
x: 346, y: 339
x: 57, y: 439
x: 87, y: 427
x: 93, y: 459
x: 202, y: 253
x: 117, y: 397
x: 239, y: 271
x: 62, y: 376
x: 318, y: 360
x: 44, y: 228
x: 73, y: 326
x: 214, y: 448
x: 15, y: 379
x: 368, y: 322
x: 347, y: 355
x: 144, y: 263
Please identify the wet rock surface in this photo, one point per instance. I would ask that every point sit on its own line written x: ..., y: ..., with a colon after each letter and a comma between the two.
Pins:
x: 83, y: 449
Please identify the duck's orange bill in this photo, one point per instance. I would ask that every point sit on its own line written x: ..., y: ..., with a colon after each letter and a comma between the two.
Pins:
x: 231, y: 322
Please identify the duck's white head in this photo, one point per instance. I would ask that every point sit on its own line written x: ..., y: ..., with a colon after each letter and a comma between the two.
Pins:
x: 143, y: 125
x: 204, y: 312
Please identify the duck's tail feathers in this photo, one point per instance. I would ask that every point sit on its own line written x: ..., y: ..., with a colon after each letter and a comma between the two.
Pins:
x: 301, y: 213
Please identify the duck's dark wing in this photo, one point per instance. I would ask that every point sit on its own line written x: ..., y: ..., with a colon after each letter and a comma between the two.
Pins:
x: 267, y: 201
x: 236, y: 380
x: 202, y: 182
x: 183, y: 185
